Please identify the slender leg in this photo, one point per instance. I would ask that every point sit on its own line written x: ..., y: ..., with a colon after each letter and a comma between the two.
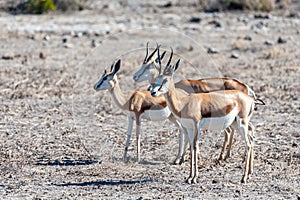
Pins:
x: 230, y: 141
x: 243, y: 128
x: 129, y: 131
x: 138, y: 139
x: 226, y: 138
x: 182, y: 141
x: 192, y: 155
x: 196, y: 147
x: 251, y: 154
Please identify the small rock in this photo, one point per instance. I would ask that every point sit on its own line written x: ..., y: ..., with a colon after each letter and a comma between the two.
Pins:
x: 78, y: 35
x: 261, y: 16
x: 260, y: 25
x: 166, y: 5
x: 216, y: 23
x: 248, y: 37
x: 32, y: 37
x: 195, y: 20
x: 7, y: 57
x: 47, y: 37
x: 268, y: 42
x: 212, y: 50
x: 42, y: 56
x: 294, y: 14
x: 68, y: 45
x: 234, y: 55
x: 94, y: 43
x: 281, y: 40
x: 65, y: 40
x: 215, y: 181
x: 294, y: 145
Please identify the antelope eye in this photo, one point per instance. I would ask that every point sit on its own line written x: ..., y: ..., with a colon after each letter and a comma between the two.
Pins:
x: 104, y: 78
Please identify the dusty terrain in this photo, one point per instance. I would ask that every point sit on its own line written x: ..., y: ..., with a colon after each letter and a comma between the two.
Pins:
x: 61, y: 139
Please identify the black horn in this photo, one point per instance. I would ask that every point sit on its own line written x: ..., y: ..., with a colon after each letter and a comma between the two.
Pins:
x: 169, y: 62
x: 152, y: 54
x: 146, y: 53
x: 159, y: 59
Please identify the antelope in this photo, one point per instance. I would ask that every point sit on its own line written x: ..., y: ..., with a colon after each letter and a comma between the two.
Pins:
x: 139, y: 104
x: 149, y: 70
x: 208, y: 111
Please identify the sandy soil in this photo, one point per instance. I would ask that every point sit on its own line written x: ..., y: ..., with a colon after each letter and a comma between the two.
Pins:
x: 61, y: 139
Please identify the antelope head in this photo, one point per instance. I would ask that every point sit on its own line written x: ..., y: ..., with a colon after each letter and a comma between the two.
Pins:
x: 162, y: 81
x: 149, y: 68
x: 107, y: 79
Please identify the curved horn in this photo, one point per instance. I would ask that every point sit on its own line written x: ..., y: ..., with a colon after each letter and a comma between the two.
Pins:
x: 146, y: 53
x: 159, y: 59
x: 169, y: 62
x: 152, y: 54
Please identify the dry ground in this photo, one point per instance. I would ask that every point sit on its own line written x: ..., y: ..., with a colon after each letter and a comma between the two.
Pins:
x: 61, y: 139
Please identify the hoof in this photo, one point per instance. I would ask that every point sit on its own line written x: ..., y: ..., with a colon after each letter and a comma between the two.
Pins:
x: 177, y: 161
x: 125, y: 159
x: 194, y: 181
x: 227, y: 156
x: 220, y: 158
x: 244, y: 180
x: 189, y: 181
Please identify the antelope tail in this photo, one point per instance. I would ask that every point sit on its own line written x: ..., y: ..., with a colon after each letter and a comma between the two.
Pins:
x: 259, y: 102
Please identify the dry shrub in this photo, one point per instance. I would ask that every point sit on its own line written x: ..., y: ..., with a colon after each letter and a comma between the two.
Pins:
x: 284, y: 3
x: 263, y: 5
x: 69, y: 5
x: 272, y: 53
x: 240, y: 44
x: 217, y: 5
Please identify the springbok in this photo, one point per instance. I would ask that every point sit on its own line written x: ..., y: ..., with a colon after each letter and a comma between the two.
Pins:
x: 207, y: 111
x: 139, y: 104
x: 149, y: 70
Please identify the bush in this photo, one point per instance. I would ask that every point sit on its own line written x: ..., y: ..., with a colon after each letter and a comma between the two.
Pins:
x: 39, y: 6
x: 68, y: 5
x: 218, y: 5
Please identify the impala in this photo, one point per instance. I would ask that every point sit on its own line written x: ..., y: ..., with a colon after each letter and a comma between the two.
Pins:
x: 149, y: 70
x: 139, y: 104
x: 207, y: 111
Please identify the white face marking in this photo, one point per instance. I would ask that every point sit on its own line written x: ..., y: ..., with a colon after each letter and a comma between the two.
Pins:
x: 104, y: 83
x: 161, y: 86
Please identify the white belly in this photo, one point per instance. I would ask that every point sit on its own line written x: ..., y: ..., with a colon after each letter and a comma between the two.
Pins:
x: 156, y: 115
x: 218, y: 123
x: 214, y: 123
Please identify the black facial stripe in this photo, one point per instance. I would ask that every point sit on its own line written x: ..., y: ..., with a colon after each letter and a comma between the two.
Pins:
x: 102, y: 80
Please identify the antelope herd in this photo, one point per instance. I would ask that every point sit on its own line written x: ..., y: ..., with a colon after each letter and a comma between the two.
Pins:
x: 192, y: 105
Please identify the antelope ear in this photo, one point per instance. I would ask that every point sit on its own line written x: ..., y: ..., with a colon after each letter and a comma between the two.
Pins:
x: 112, y: 67
x: 175, y: 67
x: 116, y: 67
